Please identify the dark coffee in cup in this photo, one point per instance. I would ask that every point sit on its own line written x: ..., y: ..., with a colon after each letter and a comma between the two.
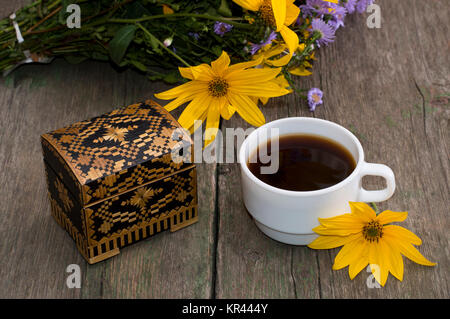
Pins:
x: 306, y: 163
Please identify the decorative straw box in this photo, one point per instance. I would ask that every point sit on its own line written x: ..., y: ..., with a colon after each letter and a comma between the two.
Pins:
x: 113, y: 180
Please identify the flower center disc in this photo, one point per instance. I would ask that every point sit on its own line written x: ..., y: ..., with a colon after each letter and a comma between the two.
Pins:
x: 218, y: 87
x: 316, y: 98
x: 266, y: 12
x: 373, y: 231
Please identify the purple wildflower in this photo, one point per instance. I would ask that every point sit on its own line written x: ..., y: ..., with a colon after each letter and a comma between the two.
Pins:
x: 338, y: 15
x: 318, y: 7
x: 350, y: 5
x: 362, y: 5
x: 221, y: 28
x: 195, y: 35
x: 325, y: 30
x: 255, y: 47
x: 314, y: 98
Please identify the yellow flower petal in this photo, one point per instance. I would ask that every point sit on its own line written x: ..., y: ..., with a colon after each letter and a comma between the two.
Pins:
x: 264, y: 100
x: 396, y: 260
x: 247, y: 109
x: 379, y: 262
x: 281, y: 81
x: 389, y: 216
x: 274, y: 50
x: 292, y: 12
x: 410, y: 252
x: 291, y: 39
x: 192, y: 87
x: 341, y: 225
x: 212, y: 122
x: 221, y: 64
x: 362, y: 211
x: 357, y: 265
x: 185, y: 96
x: 241, y: 66
x: 279, y: 12
x: 268, y: 89
x: 203, y: 73
x: 167, y: 9
x: 352, y: 251
x: 194, y: 111
x: 197, y: 124
x: 336, y: 230
x: 300, y: 71
x: 227, y: 111
x: 186, y: 73
x: 177, y: 102
x: 252, y: 5
x: 194, y: 72
x: 401, y: 234
x: 329, y: 242
x: 252, y: 76
x: 281, y: 61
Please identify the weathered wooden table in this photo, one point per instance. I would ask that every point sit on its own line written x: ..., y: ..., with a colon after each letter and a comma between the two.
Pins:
x: 390, y: 86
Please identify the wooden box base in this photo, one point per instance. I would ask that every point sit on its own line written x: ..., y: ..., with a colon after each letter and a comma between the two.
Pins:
x: 172, y: 221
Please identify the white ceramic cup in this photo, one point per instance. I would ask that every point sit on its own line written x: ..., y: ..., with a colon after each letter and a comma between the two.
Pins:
x: 289, y: 216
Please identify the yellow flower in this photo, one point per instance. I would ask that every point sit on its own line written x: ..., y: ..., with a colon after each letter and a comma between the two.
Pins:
x: 220, y: 90
x: 278, y: 14
x: 368, y: 240
x: 281, y: 81
x: 268, y: 52
x: 249, y: 19
x: 301, y: 70
x: 167, y: 9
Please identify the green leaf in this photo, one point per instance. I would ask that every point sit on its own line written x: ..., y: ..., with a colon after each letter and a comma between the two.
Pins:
x: 139, y: 65
x: 153, y: 42
x: 211, y: 11
x: 171, y: 78
x: 217, y: 50
x: 119, y: 44
x: 100, y: 56
x: 224, y: 9
x: 136, y: 10
x: 75, y: 59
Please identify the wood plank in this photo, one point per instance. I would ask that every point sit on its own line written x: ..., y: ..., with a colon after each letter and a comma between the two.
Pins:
x: 370, y: 91
x: 373, y: 90
x: 249, y: 264
x: 36, y: 99
x: 8, y: 7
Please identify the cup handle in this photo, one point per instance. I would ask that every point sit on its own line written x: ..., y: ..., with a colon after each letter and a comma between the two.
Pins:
x: 380, y: 195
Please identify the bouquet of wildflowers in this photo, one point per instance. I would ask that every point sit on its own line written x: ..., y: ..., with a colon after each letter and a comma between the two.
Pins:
x: 236, y: 53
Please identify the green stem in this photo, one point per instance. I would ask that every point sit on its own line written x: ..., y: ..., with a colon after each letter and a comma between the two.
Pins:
x: 288, y: 78
x: 200, y: 47
x: 52, y: 5
x: 162, y: 45
x: 375, y: 208
x: 175, y: 15
x: 11, y: 28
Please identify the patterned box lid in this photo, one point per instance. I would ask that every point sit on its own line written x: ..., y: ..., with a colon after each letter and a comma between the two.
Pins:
x: 115, y: 152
